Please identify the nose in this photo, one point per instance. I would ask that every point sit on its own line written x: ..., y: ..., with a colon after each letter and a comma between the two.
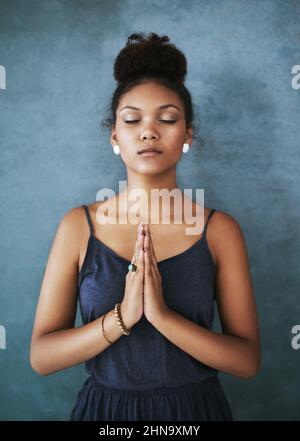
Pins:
x: 149, y: 137
x: 149, y: 133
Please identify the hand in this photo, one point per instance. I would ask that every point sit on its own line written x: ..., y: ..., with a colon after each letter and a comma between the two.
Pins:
x: 154, y: 303
x: 132, y: 303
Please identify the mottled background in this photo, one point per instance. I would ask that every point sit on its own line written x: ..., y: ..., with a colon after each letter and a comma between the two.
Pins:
x: 58, y: 57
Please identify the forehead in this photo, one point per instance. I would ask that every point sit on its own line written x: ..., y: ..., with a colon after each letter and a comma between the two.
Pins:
x: 150, y: 96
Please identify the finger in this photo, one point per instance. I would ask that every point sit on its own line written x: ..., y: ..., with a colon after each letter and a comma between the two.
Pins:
x: 140, y: 253
x: 147, y: 259
x: 147, y: 245
x: 146, y: 241
x: 141, y: 261
x: 149, y: 265
x: 151, y: 248
x: 153, y: 256
x: 138, y: 245
x: 151, y: 243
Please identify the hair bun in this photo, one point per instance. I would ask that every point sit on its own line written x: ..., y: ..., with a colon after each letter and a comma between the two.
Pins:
x: 152, y: 37
x: 151, y: 56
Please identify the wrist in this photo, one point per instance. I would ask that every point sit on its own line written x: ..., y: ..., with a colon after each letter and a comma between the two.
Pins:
x: 160, y: 317
x: 127, y: 320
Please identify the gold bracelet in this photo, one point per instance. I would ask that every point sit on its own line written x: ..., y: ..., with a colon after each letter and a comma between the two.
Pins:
x: 119, y: 319
x: 110, y: 342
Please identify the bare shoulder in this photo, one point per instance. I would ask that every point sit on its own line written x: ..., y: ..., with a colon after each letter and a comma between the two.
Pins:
x: 224, y: 233
x: 224, y: 223
x: 72, y: 222
x: 72, y: 219
x: 75, y: 218
x: 74, y: 227
x: 79, y: 224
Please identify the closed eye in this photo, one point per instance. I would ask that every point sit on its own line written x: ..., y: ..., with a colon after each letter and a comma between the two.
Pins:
x: 162, y: 120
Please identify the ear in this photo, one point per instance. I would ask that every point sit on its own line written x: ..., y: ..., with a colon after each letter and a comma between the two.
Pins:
x: 189, y: 136
x: 113, y: 139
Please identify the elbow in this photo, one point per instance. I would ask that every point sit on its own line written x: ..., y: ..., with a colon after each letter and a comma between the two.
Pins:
x: 35, y: 363
x: 253, y: 364
x: 36, y: 367
x: 38, y: 370
x: 250, y: 373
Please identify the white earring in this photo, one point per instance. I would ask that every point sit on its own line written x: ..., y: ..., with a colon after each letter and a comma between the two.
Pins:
x: 185, y: 147
x: 116, y: 149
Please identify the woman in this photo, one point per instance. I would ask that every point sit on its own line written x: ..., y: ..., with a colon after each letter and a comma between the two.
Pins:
x: 147, y: 301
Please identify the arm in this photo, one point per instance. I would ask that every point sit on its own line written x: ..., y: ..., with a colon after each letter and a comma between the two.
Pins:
x: 55, y: 343
x: 237, y: 349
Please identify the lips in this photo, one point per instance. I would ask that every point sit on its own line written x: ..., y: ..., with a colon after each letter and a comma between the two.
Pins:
x: 149, y: 149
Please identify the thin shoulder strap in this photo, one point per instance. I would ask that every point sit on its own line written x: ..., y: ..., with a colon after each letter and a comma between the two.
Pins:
x: 89, y: 219
x: 209, y: 216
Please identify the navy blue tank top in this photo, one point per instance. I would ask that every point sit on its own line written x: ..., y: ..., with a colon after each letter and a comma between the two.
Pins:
x: 145, y: 359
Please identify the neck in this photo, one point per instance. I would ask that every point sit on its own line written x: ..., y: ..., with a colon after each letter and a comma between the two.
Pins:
x: 150, y: 197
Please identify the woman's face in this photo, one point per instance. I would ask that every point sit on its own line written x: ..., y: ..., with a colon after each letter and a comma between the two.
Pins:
x: 149, y: 124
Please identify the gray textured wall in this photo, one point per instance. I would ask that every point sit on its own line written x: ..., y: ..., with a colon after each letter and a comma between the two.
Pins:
x: 58, y: 58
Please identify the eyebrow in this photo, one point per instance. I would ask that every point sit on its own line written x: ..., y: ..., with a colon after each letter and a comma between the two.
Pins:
x: 164, y: 106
